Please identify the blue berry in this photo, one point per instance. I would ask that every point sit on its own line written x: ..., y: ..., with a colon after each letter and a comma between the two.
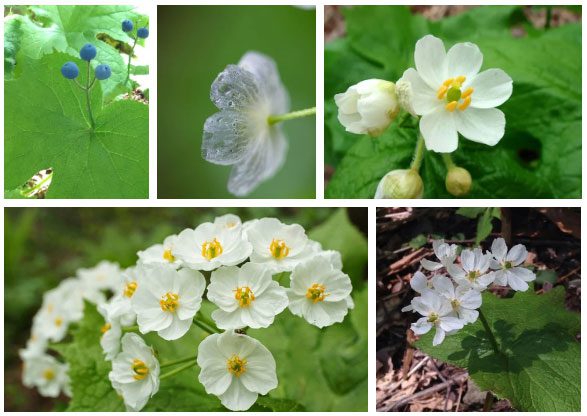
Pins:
x: 103, y: 72
x: 127, y: 25
x: 87, y: 52
x: 143, y: 32
x: 70, y: 70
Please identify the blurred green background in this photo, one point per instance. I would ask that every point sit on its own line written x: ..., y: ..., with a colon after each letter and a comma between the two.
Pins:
x: 45, y: 245
x: 195, y: 43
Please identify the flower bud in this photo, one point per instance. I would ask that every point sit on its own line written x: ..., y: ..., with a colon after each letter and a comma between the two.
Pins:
x: 400, y: 184
x: 458, y: 181
x: 368, y: 107
x: 405, y: 95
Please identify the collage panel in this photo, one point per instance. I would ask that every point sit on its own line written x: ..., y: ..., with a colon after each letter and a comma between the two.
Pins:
x: 478, y: 309
x: 452, y: 101
x: 76, y: 96
x: 186, y: 309
x: 236, y: 102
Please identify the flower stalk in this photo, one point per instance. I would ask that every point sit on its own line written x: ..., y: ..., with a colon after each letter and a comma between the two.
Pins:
x: 205, y: 327
x: 129, y: 59
x: 274, y: 119
x: 418, y: 154
x: 88, y: 89
x: 179, y: 369
x: 489, y: 332
x: 178, y: 361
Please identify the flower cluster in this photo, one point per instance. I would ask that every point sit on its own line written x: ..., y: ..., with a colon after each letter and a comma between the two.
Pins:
x: 447, y: 94
x: 449, y: 302
x: 233, y: 265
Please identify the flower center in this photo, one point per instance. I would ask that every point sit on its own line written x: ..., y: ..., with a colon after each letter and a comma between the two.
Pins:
x: 508, y: 265
x: 244, y: 295
x: 236, y: 365
x: 169, y: 302
x: 278, y: 249
x: 473, y: 275
x: 211, y: 249
x: 48, y: 374
x: 433, y: 317
x: 168, y: 256
x: 129, y: 289
x: 105, y: 328
x: 58, y: 321
x: 140, y: 369
x: 455, y: 303
x: 316, y: 292
x: 450, y: 90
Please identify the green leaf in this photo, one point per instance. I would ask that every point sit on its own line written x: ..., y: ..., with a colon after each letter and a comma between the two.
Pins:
x: 338, y: 233
x: 538, y: 367
x: 68, y: 28
x: 139, y: 69
x: 418, y: 241
x: 47, y: 127
x: 543, y: 276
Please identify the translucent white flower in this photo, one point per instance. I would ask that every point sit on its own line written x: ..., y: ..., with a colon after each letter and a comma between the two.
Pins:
x: 446, y: 253
x: 368, y: 107
x: 278, y: 246
x: 48, y: 375
x: 419, y: 283
x: 36, y: 346
x: 508, y: 265
x: 437, y: 312
x: 236, y: 368
x: 228, y: 221
x: 105, y: 275
x: 167, y: 300
x: 246, y: 296
x: 240, y: 134
x: 453, y: 97
x: 474, y: 270
x: 51, y: 321
x: 161, y: 253
x: 318, y: 292
x: 135, y: 372
x: 464, y: 300
x: 119, y: 308
x: 210, y: 246
x: 111, y: 333
x: 400, y: 184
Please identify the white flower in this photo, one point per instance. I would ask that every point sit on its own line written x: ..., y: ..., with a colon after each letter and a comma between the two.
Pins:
x: 167, y: 300
x: 463, y: 299
x: 451, y: 96
x: 405, y: 95
x: 47, y: 374
x: 247, y: 94
x: 278, y: 246
x: 507, y: 265
x: 228, y: 221
x: 35, y: 346
x: 318, y: 292
x: 210, y: 246
x: 135, y: 372
x: 474, y: 270
x: 236, y: 368
x: 246, y: 297
x: 437, y: 312
x: 420, y: 284
x: 161, y: 253
x: 105, y: 275
x: 119, y: 308
x: 400, y: 184
x: 368, y: 107
x: 446, y: 253
x: 51, y: 321
x: 111, y: 333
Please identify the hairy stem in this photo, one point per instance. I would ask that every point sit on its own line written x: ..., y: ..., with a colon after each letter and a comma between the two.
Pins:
x: 179, y: 361
x: 88, y: 98
x: 178, y: 369
x: 290, y: 116
x: 447, y: 159
x: 487, y: 328
x: 418, y: 154
x: 129, y: 58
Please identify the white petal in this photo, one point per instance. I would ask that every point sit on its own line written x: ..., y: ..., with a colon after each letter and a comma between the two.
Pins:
x: 438, y: 336
x: 421, y: 326
x: 449, y: 323
x: 176, y: 330
x: 470, y: 299
x: 237, y: 397
x: 419, y: 282
x: 482, y: 125
x: 430, y: 265
x: 439, y: 131
x: 491, y: 88
x: 523, y: 273
x: 500, y: 277
x: 430, y: 59
x: 499, y: 249
x: 444, y: 286
x: 260, y: 376
x: 517, y: 283
x: 235, y: 88
x: 517, y: 254
x: 226, y: 140
x: 424, y: 98
x: 464, y: 59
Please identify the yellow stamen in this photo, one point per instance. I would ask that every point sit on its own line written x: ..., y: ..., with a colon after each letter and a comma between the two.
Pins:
x: 211, y: 249
x: 169, y: 302
x: 105, y: 328
x: 140, y: 369
x: 316, y: 292
x: 236, y: 365
x: 58, y: 321
x: 448, y: 82
x: 244, y: 295
x: 48, y: 374
x: 441, y: 92
x: 279, y: 250
x: 460, y: 79
x: 129, y: 289
x: 455, y: 303
x: 463, y: 106
x: 472, y: 276
x: 451, y: 106
x: 168, y: 256
x: 433, y: 317
x: 467, y: 92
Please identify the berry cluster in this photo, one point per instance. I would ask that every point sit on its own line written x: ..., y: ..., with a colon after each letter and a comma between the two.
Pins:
x: 142, y: 32
x: 88, y: 52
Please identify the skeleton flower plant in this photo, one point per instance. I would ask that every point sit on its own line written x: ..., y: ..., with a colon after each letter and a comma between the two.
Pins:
x: 447, y: 94
x: 237, y: 267
x: 246, y: 132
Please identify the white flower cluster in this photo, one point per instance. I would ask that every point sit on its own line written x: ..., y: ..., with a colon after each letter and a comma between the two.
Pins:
x: 447, y: 303
x: 163, y: 292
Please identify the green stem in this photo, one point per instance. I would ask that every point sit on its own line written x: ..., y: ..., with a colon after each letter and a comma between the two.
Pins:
x: 78, y: 84
x: 492, y: 339
x: 446, y: 157
x: 178, y: 369
x: 179, y: 361
x: 88, y: 98
x: 205, y: 327
x: 129, y: 58
x: 418, y: 154
x: 134, y: 328
x: 290, y: 116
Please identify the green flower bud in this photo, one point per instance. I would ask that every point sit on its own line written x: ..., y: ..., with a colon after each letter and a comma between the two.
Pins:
x: 458, y: 181
x: 400, y: 184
